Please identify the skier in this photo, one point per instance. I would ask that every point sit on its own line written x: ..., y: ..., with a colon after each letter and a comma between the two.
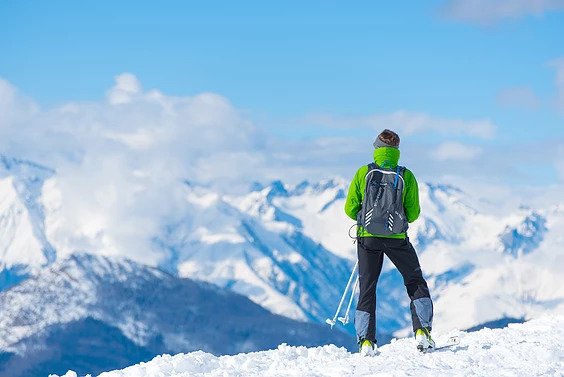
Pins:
x: 383, y: 197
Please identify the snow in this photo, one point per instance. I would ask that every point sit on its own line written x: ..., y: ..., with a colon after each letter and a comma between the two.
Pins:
x: 317, y: 207
x: 15, y: 225
x: 531, y: 349
x: 209, y: 238
x: 257, y: 249
x: 22, y: 239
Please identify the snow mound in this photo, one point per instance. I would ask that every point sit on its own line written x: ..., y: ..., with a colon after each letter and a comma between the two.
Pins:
x: 530, y: 349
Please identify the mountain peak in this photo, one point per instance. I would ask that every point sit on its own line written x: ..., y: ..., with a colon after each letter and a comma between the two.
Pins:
x: 277, y: 188
x: 16, y: 165
x: 25, y: 247
x: 525, y: 236
x: 103, y: 268
x: 320, y: 186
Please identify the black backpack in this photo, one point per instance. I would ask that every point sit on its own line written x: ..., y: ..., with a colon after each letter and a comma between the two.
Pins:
x: 382, y: 210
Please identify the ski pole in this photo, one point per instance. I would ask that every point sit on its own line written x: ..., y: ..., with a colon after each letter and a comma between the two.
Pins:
x: 334, y: 320
x: 345, y: 319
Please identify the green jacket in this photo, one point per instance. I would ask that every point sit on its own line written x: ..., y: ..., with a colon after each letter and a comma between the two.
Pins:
x: 388, y: 158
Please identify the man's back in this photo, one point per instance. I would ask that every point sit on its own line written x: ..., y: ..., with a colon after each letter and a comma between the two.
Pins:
x: 388, y: 158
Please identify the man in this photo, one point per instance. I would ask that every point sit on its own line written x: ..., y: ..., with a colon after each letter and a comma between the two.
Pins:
x: 385, y: 206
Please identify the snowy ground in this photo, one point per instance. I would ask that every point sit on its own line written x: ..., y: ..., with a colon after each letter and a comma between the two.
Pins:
x: 534, y: 348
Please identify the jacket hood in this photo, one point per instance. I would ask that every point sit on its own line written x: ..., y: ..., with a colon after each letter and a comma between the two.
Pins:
x: 386, y: 157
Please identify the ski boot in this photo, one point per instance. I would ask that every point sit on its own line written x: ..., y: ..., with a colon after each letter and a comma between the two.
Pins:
x: 424, y: 340
x: 367, y: 348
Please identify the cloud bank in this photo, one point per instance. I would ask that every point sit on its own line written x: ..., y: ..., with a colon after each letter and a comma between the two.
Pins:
x: 452, y: 150
x: 122, y: 162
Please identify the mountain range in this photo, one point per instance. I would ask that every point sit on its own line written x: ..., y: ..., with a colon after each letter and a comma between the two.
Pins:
x: 91, y: 313
x: 284, y: 247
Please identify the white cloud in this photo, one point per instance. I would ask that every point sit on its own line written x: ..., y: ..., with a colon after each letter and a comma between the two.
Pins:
x: 518, y: 97
x: 140, y: 139
x: 452, y: 150
x: 15, y: 109
x: 410, y: 123
x: 487, y: 12
x: 126, y: 88
x: 121, y: 163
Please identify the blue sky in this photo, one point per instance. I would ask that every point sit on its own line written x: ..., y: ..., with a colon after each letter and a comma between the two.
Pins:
x: 309, y: 70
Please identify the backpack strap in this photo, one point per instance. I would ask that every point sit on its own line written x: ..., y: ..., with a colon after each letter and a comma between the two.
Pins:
x: 371, y: 167
x: 398, y: 168
x: 399, y: 173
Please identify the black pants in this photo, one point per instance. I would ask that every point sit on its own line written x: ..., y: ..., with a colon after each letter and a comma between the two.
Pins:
x: 371, y: 252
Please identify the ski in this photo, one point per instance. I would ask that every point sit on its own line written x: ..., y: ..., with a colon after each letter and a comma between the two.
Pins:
x: 452, y: 341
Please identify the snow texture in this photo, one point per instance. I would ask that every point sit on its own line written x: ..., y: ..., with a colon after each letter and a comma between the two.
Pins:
x: 530, y: 349
x: 258, y: 249
x: 23, y: 245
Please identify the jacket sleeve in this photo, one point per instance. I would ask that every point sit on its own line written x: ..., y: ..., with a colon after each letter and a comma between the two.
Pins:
x: 411, y: 197
x: 353, y: 203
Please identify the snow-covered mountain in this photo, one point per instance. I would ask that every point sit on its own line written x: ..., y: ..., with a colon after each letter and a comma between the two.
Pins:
x: 97, y: 313
x: 256, y: 248
x: 24, y: 248
x: 277, y: 266
x: 483, y: 265
x: 530, y: 349
x: 287, y: 249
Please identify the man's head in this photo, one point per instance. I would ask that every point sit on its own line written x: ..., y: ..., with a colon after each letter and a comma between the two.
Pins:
x: 387, y: 138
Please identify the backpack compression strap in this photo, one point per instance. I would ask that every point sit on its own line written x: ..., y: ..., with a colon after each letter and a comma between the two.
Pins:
x: 372, y: 168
